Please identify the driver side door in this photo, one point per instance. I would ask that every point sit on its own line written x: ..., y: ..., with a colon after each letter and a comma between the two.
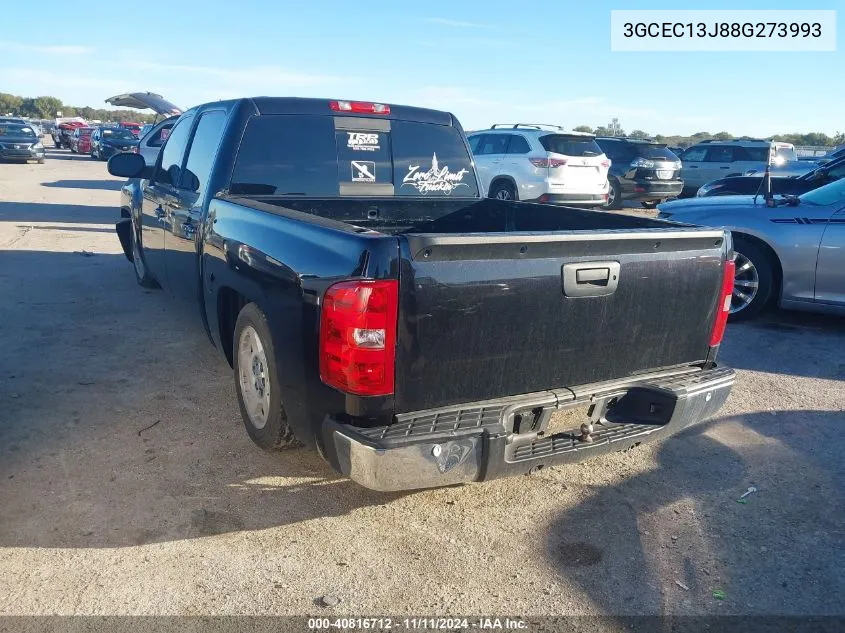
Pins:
x: 158, y: 193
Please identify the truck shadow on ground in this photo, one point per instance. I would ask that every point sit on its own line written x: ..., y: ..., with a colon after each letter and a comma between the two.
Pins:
x: 123, y: 429
x: 108, y: 185
x: 669, y: 537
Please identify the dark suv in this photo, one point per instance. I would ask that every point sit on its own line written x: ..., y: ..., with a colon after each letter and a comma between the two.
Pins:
x: 640, y: 171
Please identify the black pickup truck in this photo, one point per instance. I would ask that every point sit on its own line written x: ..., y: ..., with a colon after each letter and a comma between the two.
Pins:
x: 375, y: 307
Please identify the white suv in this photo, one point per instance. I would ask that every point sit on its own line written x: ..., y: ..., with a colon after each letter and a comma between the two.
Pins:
x: 540, y: 163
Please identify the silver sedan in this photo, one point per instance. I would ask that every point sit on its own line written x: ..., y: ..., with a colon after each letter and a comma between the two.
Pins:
x: 792, y: 254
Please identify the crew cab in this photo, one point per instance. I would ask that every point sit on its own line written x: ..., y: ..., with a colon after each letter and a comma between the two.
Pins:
x: 376, y: 307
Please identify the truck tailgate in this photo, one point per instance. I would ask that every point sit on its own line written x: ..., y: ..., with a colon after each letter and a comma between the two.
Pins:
x: 486, y: 316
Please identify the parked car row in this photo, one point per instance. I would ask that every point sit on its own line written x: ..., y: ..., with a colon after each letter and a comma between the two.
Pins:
x: 547, y: 164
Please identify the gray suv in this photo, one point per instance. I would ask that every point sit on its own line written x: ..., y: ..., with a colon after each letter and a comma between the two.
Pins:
x: 711, y: 160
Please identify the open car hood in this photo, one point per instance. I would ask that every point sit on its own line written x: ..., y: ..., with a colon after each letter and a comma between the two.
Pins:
x: 143, y: 101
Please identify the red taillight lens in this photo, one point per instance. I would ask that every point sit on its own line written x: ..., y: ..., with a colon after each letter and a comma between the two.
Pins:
x: 605, y: 164
x: 358, y: 336
x: 724, y: 307
x: 548, y: 162
x: 360, y: 107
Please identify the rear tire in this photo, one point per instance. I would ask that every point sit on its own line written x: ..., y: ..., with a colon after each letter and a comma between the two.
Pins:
x: 652, y: 204
x: 141, y: 275
x: 614, y: 195
x: 257, y: 382
x: 754, y: 283
x: 503, y: 190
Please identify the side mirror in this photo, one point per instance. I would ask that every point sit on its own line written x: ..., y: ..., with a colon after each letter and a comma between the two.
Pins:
x: 128, y: 165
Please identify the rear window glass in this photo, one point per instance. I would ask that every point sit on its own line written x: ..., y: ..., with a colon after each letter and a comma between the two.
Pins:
x: 570, y: 145
x: 647, y: 150
x: 303, y: 155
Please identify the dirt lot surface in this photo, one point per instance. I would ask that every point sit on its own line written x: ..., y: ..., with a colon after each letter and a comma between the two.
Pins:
x: 128, y: 484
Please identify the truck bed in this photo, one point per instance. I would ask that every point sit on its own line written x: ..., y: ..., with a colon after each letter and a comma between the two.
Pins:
x: 483, y: 309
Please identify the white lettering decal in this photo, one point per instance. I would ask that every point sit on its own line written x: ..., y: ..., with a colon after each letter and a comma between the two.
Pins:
x: 435, y: 179
x: 363, y: 141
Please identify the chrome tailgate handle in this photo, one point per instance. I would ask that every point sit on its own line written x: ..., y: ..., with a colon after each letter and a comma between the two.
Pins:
x: 590, y: 279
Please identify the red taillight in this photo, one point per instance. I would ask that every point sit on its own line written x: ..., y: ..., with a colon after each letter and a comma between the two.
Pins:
x: 360, y: 107
x: 605, y: 164
x: 724, y: 307
x: 358, y: 336
x: 548, y: 162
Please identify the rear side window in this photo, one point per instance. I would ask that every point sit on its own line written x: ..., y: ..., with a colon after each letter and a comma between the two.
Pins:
x: 695, y: 154
x: 518, y: 145
x: 719, y: 154
x: 309, y: 156
x: 493, y: 144
x: 570, y: 145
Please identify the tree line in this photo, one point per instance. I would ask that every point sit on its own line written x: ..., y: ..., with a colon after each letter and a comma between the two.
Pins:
x: 47, y: 107
x: 814, y: 139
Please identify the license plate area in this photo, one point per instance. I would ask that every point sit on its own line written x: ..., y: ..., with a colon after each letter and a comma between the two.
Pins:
x: 568, y: 421
x: 665, y: 174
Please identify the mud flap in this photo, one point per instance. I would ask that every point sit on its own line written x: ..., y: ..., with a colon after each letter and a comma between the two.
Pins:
x: 124, y: 228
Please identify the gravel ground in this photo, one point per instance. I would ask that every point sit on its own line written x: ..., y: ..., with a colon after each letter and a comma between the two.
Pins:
x: 128, y: 485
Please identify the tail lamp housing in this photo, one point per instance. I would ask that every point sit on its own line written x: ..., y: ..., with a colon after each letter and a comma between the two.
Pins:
x: 723, y: 309
x: 358, y: 336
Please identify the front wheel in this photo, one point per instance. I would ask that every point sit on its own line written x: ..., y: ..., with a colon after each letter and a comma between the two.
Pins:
x: 257, y: 382
x: 753, y: 282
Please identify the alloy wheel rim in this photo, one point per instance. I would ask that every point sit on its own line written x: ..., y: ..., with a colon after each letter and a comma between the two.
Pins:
x: 503, y: 194
x: 253, y: 377
x: 611, y: 195
x: 746, y: 283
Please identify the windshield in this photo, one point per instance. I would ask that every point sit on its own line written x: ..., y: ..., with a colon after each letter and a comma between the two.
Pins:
x: 16, y: 130
x: 570, y: 145
x: 118, y: 134
x: 823, y: 196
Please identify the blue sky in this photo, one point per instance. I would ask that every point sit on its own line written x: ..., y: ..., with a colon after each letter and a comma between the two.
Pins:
x: 485, y: 61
